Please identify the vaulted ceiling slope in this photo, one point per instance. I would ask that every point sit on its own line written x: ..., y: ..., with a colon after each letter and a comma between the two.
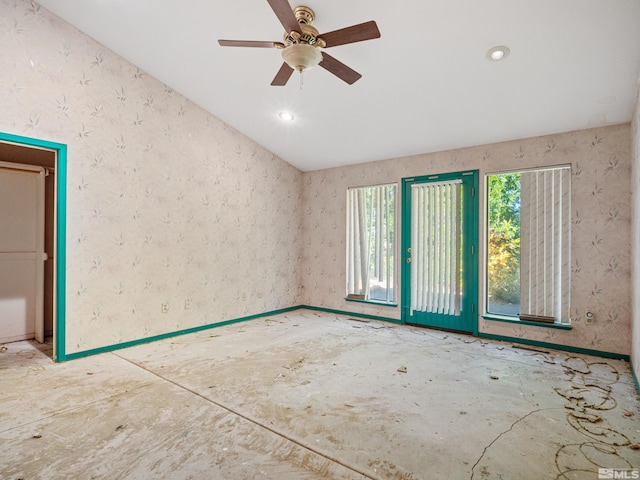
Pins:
x: 427, y: 84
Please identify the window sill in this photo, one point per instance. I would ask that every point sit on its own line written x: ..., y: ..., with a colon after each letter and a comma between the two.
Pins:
x: 504, y: 318
x: 373, y: 302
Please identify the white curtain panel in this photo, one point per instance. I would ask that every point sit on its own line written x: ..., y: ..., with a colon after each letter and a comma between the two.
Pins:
x: 369, y: 239
x: 357, y: 242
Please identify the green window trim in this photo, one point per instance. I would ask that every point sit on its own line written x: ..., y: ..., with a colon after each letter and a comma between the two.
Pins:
x: 372, y: 302
x: 509, y: 319
x: 525, y: 218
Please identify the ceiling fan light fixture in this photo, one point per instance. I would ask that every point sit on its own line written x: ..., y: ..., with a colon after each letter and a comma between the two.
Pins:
x: 301, y: 56
x: 286, y: 116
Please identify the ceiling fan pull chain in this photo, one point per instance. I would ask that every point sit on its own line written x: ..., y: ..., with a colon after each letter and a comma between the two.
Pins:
x: 301, y: 82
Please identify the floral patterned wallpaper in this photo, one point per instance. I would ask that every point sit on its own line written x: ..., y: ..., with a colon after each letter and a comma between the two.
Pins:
x: 166, y: 204
x: 601, y: 230
x: 635, y: 338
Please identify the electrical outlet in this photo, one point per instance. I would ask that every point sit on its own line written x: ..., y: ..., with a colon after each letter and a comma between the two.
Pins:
x: 164, y: 307
x: 244, y: 295
x: 187, y: 303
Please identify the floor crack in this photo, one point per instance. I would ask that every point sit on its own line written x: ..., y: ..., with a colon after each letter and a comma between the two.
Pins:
x: 499, y: 436
x: 252, y: 420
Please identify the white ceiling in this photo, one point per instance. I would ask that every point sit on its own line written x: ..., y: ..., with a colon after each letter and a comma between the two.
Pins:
x: 427, y: 85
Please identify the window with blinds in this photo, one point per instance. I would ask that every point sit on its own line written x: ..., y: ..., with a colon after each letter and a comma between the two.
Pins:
x: 529, y: 244
x: 371, y: 243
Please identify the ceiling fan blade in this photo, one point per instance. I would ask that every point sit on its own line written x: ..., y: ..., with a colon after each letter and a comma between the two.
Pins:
x: 248, y: 43
x: 284, y: 12
x: 283, y: 75
x: 339, y: 69
x: 352, y: 34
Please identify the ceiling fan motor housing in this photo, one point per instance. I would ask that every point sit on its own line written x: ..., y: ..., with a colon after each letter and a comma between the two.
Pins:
x: 307, y: 35
x: 300, y: 51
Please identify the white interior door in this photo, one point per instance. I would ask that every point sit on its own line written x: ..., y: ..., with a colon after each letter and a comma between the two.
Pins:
x: 21, y: 252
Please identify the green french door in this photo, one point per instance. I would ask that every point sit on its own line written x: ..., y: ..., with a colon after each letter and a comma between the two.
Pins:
x: 439, y: 251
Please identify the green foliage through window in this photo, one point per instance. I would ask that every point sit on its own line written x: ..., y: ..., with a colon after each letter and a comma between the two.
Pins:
x: 504, y: 240
x: 528, y: 244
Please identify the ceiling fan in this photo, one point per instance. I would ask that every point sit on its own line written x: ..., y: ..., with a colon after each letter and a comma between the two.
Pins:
x: 302, y: 44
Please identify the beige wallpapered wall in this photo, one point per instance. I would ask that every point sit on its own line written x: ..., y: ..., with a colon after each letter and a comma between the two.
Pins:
x: 601, y: 228
x: 636, y: 238
x: 165, y: 202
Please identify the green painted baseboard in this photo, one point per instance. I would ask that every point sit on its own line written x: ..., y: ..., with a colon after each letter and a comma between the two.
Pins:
x: 351, y: 314
x: 525, y: 341
x: 132, y: 343
x: 556, y: 346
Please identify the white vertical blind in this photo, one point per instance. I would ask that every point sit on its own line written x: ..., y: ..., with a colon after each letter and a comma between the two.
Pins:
x: 370, y: 241
x: 357, y: 244
x: 435, y: 247
x: 545, y: 242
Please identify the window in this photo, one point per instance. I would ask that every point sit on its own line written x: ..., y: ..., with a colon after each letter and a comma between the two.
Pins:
x: 371, y: 243
x: 528, y: 244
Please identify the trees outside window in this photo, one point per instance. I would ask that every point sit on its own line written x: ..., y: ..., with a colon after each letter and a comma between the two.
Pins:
x: 371, y: 243
x: 528, y: 244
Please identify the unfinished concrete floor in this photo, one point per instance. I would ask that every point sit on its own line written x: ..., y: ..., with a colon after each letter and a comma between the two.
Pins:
x: 309, y: 395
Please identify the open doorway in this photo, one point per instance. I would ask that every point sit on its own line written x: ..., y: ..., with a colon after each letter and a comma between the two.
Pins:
x: 22, y: 159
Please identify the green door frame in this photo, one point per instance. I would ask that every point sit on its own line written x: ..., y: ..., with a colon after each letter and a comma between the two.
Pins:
x: 470, y: 231
x: 59, y: 332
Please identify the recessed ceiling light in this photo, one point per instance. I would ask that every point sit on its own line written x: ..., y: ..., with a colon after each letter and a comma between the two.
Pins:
x: 286, y: 116
x: 498, y: 53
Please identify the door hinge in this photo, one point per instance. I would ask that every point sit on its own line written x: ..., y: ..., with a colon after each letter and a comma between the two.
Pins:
x: 473, y: 249
x: 473, y: 191
x: 473, y: 307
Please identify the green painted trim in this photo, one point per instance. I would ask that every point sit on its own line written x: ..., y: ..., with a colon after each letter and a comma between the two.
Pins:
x: 61, y: 253
x: 61, y: 230
x: 471, y: 221
x: 34, y: 142
x: 635, y: 378
x: 555, y: 346
x: 352, y: 314
x: 560, y: 326
x: 141, y: 341
x: 371, y: 302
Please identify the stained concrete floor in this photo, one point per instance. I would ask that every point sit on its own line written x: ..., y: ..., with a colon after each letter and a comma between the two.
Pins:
x: 309, y: 395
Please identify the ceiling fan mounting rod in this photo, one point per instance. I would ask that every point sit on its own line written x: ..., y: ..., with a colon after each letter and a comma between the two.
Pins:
x: 304, y: 15
x: 307, y: 35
